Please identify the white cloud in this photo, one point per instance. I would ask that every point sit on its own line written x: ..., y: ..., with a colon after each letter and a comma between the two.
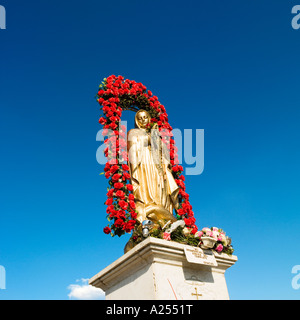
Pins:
x: 84, y: 291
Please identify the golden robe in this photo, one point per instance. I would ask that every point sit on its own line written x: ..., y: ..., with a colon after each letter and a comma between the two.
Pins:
x: 154, y: 187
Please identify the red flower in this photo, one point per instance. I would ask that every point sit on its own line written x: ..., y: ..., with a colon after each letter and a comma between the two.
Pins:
x: 109, y: 201
x: 187, y: 207
x: 102, y: 120
x: 129, y: 226
x: 110, y: 193
x: 129, y: 187
x: 118, y: 185
x: 119, y: 223
x: 110, y: 209
x: 113, y: 214
x: 125, y: 167
x: 114, y: 168
x: 183, y: 194
x: 123, y: 204
x: 120, y: 194
x: 113, y: 119
x: 120, y: 214
x: 189, y: 222
x: 131, y: 197
x: 133, y: 214
x: 116, y: 177
x: 180, y: 212
x: 126, y: 176
x: 195, y: 229
x: 113, y: 126
x: 180, y: 183
x: 175, y: 169
x: 107, y: 167
x: 107, y: 230
x: 132, y: 204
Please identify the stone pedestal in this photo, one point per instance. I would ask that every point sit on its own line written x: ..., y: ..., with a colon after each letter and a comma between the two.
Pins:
x: 158, y: 270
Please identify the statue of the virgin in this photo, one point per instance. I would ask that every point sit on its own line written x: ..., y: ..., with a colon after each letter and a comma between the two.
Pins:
x: 154, y: 186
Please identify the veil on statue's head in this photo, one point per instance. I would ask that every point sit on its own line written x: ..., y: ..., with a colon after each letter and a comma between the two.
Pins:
x: 136, y: 122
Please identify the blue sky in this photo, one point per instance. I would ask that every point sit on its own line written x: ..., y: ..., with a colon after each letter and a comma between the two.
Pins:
x: 230, y: 68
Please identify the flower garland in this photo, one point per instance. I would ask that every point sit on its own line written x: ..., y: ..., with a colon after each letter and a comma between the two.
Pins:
x: 178, y: 232
x: 114, y: 96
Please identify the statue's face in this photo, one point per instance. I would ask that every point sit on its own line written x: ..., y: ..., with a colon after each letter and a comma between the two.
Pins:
x: 143, y: 119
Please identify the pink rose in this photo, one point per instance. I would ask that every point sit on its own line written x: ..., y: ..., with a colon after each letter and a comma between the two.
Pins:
x: 209, y: 233
x: 167, y: 236
x: 198, y: 234
x: 219, y: 248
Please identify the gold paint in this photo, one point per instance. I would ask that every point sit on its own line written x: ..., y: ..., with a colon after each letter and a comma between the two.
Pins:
x: 197, y: 294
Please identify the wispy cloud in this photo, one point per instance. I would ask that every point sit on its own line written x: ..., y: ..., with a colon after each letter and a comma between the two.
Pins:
x: 83, y: 291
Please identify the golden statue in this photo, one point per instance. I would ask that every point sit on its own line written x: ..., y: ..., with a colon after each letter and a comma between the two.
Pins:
x: 154, y: 186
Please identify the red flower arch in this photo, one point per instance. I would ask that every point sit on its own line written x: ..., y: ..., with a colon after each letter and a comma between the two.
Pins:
x: 114, y: 96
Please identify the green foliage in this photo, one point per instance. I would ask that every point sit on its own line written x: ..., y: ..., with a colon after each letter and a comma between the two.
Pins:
x: 156, y: 233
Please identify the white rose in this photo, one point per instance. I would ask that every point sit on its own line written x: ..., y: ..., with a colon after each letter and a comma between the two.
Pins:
x: 205, y: 230
x: 223, y: 239
x: 215, y: 234
x: 186, y: 231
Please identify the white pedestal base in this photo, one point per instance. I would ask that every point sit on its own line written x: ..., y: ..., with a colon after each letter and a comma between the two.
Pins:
x: 158, y: 270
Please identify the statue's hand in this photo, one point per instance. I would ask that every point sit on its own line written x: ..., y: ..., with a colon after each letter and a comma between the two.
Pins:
x: 147, y: 141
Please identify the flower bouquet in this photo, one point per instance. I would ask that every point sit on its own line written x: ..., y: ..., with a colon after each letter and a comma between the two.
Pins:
x: 208, y: 238
x: 216, y: 239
